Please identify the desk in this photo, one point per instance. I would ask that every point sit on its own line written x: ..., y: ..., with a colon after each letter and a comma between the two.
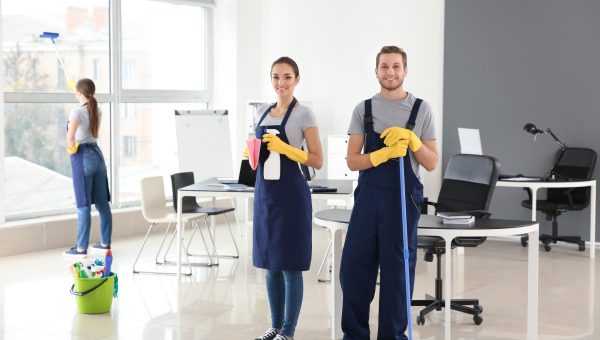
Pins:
x: 208, y: 189
x: 337, y: 220
x: 535, y: 185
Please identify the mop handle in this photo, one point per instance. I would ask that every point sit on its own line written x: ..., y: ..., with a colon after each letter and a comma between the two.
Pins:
x: 60, y: 60
x: 405, y: 241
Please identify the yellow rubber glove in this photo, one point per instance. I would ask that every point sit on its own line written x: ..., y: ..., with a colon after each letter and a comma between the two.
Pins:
x: 71, y: 85
x: 274, y: 143
x: 388, y: 152
x: 394, y: 134
x: 73, y: 150
x: 246, y: 155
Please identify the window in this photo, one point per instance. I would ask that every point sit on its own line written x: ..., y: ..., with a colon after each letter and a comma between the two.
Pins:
x: 163, y: 64
x: 128, y: 70
x: 129, y: 146
x: 37, y: 166
x: 96, y: 69
x: 128, y: 112
x: 169, y: 53
x: 83, y: 35
x: 153, y: 129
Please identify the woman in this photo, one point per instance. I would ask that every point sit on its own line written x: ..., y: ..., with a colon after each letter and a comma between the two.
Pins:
x: 89, y: 170
x: 282, y: 242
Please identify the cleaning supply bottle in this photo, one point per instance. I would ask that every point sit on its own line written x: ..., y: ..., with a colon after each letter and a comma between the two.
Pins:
x: 107, y: 263
x: 271, y: 170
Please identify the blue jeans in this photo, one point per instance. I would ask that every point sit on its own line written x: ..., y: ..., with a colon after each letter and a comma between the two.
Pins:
x: 285, y: 289
x: 96, y: 191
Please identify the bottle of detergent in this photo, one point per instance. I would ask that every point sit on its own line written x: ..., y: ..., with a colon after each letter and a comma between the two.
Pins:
x: 271, y: 170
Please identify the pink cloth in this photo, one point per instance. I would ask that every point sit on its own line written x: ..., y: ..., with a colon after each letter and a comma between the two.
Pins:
x: 253, y: 145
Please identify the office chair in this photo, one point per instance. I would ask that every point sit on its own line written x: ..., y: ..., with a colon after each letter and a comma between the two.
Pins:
x: 190, y: 205
x: 155, y: 211
x: 575, y: 164
x: 467, y: 186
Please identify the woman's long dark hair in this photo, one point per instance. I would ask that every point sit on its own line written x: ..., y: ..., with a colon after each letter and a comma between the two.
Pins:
x: 87, y: 88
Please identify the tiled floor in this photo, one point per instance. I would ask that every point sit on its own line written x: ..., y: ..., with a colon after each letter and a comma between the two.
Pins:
x: 230, y: 302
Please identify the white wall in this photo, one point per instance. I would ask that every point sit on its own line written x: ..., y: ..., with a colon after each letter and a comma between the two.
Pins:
x: 335, y: 43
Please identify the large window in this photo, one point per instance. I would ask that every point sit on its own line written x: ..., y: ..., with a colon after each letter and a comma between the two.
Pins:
x: 150, y: 145
x: 37, y: 166
x: 163, y: 58
x: 162, y: 46
x: 31, y: 62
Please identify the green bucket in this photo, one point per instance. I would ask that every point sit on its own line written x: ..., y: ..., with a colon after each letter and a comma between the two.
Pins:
x: 94, y: 296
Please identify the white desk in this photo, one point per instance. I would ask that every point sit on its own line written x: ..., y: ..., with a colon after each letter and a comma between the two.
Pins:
x: 337, y: 220
x: 205, y: 189
x: 535, y: 185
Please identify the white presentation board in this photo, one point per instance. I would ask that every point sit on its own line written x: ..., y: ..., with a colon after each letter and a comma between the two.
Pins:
x: 204, y: 143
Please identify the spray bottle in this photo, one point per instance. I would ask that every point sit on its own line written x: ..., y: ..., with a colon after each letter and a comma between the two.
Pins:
x: 107, y: 263
x: 271, y: 170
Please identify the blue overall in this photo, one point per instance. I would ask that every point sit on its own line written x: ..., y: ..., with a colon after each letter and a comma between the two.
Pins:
x: 374, y: 241
x: 90, y: 184
x: 80, y: 186
x: 282, y: 238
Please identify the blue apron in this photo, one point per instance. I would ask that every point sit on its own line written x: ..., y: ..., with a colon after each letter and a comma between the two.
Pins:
x: 282, y: 233
x: 77, y: 169
x: 374, y: 241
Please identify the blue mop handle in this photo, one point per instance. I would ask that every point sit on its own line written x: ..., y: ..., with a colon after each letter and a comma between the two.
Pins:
x: 405, y: 241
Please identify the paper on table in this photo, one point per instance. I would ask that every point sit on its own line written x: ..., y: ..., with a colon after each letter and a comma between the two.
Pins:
x: 253, y: 145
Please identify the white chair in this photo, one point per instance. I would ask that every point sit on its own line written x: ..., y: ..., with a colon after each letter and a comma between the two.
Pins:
x: 155, y: 211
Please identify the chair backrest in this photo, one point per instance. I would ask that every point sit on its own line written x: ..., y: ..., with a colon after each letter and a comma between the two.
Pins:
x: 575, y: 164
x: 153, y: 197
x: 178, y: 181
x: 468, y: 183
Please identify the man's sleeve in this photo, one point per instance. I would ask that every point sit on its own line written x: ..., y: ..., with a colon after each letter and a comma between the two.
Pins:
x: 357, y: 126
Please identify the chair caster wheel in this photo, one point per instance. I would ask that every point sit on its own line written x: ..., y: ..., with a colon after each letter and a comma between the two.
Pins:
x: 524, y: 241
x: 479, y: 308
x: 420, y: 320
x: 477, y: 320
x: 547, y: 247
x: 581, y: 246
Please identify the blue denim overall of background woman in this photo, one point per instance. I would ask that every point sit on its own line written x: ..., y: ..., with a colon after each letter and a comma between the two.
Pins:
x: 90, y: 182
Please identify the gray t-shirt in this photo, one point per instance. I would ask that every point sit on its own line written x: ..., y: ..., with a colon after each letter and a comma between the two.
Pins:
x: 301, y: 118
x: 82, y: 116
x: 387, y: 113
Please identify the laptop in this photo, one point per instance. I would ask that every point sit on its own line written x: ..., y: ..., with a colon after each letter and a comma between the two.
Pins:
x: 246, y: 177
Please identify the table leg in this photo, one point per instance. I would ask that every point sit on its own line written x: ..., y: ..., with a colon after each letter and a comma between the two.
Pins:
x: 593, y: 220
x: 179, y: 234
x: 532, y: 285
x: 448, y: 288
x: 533, y: 203
x: 336, y: 304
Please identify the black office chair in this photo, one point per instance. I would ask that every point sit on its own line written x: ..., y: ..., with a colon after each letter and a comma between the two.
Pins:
x: 190, y: 205
x: 575, y: 164
x: 467, y: 187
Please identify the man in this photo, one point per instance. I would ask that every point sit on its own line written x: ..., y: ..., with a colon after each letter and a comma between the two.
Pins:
x: 392, y: 124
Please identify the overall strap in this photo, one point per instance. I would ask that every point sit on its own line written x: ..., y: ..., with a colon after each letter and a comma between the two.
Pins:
x: 368, y: 121
x: 288, y: 113
x: 413, y: 114
x: 265, y: 114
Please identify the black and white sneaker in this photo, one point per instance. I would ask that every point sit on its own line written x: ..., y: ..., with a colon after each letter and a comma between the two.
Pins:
x: 270, y: 334
x: 281, y: 337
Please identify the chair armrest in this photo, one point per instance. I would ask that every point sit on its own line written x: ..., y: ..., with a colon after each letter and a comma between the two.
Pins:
x: 528, y: 193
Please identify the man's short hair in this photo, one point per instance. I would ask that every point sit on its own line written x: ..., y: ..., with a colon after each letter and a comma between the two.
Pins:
x: 391, y: 49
